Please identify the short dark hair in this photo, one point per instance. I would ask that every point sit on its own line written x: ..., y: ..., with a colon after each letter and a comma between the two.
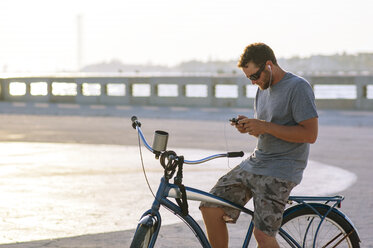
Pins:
x: 258, y: 53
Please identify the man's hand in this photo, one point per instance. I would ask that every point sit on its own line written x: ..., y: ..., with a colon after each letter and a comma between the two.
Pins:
x: 305, y: 132
x: 253, y: 127
x: 243, y: 125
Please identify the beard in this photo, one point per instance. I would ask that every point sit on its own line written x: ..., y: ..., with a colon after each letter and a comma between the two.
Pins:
x: 266, y: 82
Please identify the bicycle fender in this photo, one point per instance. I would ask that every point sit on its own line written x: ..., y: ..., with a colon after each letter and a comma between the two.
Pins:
x: 147, y: 220
x: 340, y: 213
x: 310, y: 205
x: 151, y: 220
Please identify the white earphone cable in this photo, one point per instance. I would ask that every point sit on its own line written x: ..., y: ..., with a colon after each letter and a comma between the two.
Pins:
x: 270, y: 76
x: 226, y: 142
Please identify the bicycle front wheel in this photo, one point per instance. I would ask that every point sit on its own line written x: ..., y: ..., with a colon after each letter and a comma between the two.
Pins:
x: 302, y: 225
x: 142, y: 237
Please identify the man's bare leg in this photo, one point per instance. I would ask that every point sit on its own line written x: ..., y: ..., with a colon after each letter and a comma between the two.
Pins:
x: 265, y: 240
x: 216, y: 227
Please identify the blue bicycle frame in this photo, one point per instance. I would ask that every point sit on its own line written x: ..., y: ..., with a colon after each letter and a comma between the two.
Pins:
x: 165, y: 189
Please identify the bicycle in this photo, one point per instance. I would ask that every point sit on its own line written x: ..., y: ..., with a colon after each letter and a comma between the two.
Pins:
x: 311, y: 222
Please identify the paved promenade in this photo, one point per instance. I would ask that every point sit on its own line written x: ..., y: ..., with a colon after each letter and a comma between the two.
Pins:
x: 345, y: 141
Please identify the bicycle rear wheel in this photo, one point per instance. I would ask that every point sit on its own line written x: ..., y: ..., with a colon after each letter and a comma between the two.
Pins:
x: 335, y: 231
x: 142, y: 236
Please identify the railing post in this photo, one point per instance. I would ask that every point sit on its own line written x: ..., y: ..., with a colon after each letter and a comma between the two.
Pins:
x: 5, y: 94
x: 79, y: 86
x: 362, y: 102
x: 103, y: 89
x: 243, y: 100
x: 129, y: 90
x: 1, y: 89
x: 28, y: 88
x: 153, y: 91
x: 49, y: 88
x: 210, y: 91
x: 181, y: 90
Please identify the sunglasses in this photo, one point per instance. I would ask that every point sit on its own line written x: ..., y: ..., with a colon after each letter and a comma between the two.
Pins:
x: 256, y: 75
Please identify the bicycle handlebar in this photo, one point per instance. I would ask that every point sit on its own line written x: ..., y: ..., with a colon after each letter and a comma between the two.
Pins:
x: 235, y: 154
x: 137, y: 125
x: 135, y: 122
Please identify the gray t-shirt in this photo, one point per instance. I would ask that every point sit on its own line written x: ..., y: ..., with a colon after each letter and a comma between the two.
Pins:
x: 288, y: 102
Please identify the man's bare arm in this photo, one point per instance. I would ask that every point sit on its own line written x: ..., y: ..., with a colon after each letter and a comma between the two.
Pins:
x: 305, y: 132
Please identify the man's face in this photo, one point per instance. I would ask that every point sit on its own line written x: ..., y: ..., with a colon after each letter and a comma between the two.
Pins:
x: 263, y: 80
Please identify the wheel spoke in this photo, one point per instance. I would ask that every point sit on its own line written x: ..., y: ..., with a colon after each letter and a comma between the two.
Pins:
x: 347, y: 235
x: 331, y: 241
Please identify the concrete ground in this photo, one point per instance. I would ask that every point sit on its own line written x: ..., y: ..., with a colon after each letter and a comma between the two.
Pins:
x: 345, y: 141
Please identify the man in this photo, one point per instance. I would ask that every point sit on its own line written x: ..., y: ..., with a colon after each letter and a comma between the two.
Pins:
x: 285, y: 123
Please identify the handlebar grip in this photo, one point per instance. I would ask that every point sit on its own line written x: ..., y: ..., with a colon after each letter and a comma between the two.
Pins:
x: 135, y: 122
x: 235, y: 154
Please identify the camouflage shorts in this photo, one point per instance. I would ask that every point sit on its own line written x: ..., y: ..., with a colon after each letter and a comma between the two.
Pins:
x: 269, y: 195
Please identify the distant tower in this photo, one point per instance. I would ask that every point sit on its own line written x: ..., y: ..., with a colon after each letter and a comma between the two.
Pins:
x: 80, y: 42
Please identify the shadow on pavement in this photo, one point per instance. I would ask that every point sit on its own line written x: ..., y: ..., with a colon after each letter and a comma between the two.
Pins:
x: 170, y: 236
x: 178, y: 235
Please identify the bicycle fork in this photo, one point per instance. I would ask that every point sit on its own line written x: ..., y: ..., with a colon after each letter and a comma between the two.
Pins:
x: 152, y: 217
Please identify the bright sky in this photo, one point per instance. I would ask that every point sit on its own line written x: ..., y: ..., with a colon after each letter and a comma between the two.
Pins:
x: 41, y: 35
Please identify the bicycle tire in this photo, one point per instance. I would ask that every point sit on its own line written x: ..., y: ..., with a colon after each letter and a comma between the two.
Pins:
x: 302, y: 224
x: 142, y: 237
